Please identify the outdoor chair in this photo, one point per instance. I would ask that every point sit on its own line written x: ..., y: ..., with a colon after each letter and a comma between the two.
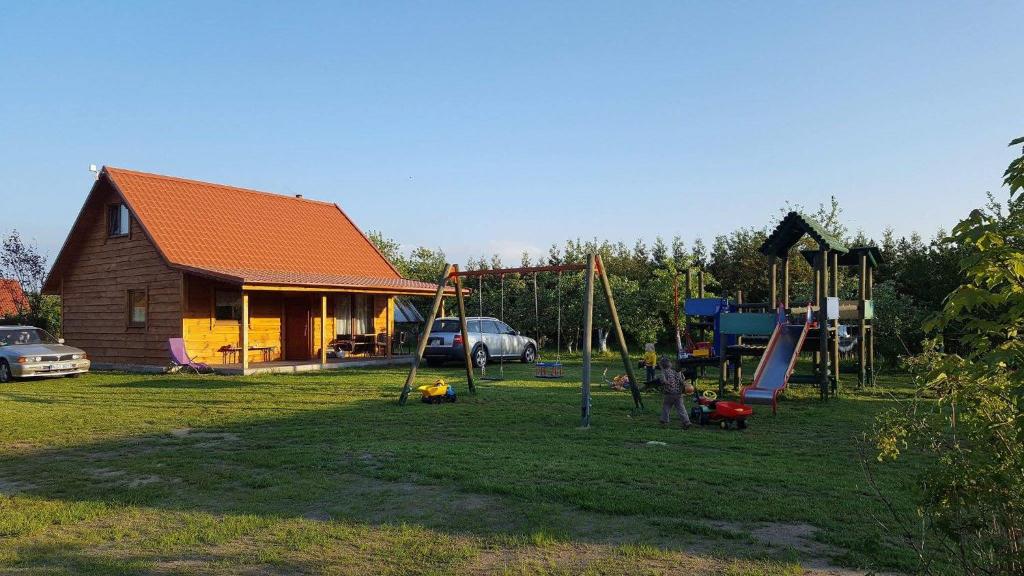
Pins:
x: 182, y: 362
x: 381, y: 344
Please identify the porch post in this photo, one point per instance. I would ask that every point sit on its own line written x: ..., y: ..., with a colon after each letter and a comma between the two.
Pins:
x: 323, y: 329
x: 390, y: 313
x: 244, y: 352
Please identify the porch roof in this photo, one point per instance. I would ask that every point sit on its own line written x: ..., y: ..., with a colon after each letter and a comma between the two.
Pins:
x: 285, y: 280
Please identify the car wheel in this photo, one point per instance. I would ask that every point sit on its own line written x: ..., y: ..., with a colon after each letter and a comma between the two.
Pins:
x: 480, y: 356
x: 5, y: 372
x: 529, y: 355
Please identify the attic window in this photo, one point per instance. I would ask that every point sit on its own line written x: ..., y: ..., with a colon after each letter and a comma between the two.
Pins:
x: 118, y: 221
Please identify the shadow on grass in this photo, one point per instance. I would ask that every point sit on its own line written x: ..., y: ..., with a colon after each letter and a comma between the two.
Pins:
x: 198, y: 383
x: 511, y: 464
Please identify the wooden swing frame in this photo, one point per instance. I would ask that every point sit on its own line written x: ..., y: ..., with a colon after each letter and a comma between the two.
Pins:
x: 594, y: 268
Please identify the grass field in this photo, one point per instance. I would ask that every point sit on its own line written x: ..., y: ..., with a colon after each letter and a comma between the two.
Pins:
x: 324, y: 473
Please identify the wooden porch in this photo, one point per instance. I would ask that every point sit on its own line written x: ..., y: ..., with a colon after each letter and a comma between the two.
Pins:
x: 244, y: 330
x: 295, y: 367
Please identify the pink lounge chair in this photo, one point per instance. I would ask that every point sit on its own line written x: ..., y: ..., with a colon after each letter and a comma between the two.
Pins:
x: 181, y: 361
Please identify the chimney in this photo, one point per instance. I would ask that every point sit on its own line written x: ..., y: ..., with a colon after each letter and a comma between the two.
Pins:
x: 298, y: 195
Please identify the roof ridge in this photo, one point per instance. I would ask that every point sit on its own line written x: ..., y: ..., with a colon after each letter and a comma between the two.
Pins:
x: 115, y: 169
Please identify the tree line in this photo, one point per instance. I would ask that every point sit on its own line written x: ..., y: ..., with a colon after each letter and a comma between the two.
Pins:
x: 913, y: 279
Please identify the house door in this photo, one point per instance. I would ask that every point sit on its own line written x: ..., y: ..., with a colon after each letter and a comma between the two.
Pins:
x: 296, y: 330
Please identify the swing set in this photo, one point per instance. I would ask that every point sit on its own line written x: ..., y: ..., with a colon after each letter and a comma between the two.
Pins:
x: 593, y: 269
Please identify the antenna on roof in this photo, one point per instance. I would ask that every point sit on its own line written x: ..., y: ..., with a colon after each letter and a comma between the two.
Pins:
x: 94, y: 170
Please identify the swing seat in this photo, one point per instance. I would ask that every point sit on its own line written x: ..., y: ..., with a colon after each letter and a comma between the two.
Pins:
x: 548, y: 370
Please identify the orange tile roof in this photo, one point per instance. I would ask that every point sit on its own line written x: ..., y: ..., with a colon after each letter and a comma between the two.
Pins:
x: 253, y: 237
x: 11, y: 297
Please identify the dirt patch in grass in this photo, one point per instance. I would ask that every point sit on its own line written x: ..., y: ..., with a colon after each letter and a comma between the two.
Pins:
x: 117, y: 477
x: 205, y: 439
x: 380, y: 501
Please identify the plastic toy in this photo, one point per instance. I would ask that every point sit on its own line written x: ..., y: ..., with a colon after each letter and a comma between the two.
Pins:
x: 438, y: 392
x: 708, y: 409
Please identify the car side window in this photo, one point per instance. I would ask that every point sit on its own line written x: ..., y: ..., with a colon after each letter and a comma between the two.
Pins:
x: 505, y: 328
x: 473, y: 326
x: 490, y: 326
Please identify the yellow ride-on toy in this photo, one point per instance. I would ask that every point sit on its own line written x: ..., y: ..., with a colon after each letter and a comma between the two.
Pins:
x: 437, y: 392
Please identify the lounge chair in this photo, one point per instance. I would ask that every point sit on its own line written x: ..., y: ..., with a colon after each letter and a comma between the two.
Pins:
x: 182, y: 362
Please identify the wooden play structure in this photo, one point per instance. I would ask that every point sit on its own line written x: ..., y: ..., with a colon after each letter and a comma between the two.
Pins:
x: 593, y: 269
x: 735, y: 329
x: 827, y: 309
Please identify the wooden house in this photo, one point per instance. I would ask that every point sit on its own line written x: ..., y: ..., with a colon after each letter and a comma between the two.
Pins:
x: 244, y: 277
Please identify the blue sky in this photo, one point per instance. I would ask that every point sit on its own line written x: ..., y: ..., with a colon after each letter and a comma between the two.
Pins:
x: 483, y: 127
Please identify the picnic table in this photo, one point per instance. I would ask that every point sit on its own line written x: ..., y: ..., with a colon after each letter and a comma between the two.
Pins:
x: 229, y: 350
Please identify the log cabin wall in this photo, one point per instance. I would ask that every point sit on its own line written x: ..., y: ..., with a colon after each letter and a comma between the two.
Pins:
x: 206, y: 335
x: 94, y: 290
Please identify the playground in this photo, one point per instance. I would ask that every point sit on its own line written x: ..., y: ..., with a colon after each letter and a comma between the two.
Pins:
x: 326, y: 473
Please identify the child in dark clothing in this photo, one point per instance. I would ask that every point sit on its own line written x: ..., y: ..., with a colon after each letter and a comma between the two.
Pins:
x: 672, y: 384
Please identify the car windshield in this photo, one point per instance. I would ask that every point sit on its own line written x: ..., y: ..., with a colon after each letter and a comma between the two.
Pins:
x: 22, y: 336
x: 445, y: 325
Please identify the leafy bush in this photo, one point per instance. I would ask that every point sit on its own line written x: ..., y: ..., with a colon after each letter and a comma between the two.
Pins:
x: 967, y: 419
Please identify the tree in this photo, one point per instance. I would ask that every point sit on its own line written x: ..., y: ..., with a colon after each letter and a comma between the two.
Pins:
x: 23, y: 262
x: 967, y: 418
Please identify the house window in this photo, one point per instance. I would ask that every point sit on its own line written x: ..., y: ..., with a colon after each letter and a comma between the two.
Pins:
x: 343, y: 314
x: 138, y: 307
x: 227, y: 305
x: 363, y: 316
x: 118, y: 220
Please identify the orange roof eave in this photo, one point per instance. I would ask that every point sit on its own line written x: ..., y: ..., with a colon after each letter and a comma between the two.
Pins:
x: 449, y: 290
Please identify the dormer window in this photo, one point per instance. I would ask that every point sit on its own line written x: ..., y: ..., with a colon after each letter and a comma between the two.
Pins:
x: 118, y: 221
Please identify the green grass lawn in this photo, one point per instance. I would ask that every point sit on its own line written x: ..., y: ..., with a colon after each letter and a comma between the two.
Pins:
x: 324, y: 473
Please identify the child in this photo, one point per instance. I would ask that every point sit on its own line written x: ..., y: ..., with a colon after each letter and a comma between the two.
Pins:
x: 672, y: 383
x: 650, y: 360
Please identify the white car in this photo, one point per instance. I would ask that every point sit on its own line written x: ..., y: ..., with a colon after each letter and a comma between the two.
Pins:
x: 30, y: 352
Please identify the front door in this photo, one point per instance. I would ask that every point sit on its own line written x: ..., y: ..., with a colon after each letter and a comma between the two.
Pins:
x: 297, y: 343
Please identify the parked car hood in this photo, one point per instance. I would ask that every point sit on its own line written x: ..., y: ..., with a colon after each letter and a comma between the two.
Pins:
x: 38, y: 350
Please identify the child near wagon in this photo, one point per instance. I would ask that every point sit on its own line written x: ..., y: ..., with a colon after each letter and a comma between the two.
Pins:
x: 672, y: 384
x: 650, y: 361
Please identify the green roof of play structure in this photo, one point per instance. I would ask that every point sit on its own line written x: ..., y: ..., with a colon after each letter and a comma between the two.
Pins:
x: 851, y: 258
x: 792, y: 228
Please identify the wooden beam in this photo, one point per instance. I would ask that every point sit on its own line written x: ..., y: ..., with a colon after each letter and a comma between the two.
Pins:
x: 785, y: 282
x: 623, y: 350
x: 773, y: 287
x: 739, y: 340
x: 700, y: 283
x: 835, y: 324
x: 862, y: 333
x: 823, y: 368
x: 421, y: 346
x: 323, y: 329
x: 464, y: 330
x: 588, y: 329
x: 871, y: 328
x: 244, y: 352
